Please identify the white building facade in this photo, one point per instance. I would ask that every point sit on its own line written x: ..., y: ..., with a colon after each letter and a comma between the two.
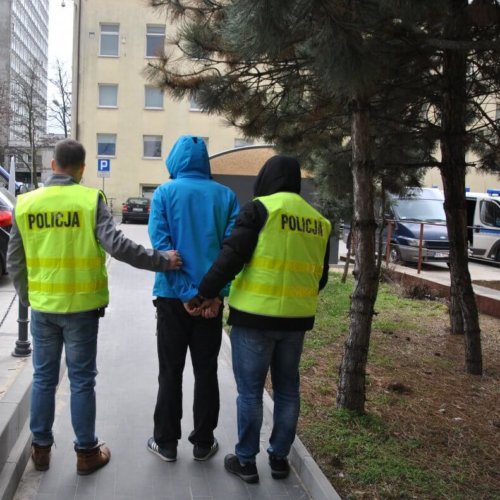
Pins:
x: 127, y: 125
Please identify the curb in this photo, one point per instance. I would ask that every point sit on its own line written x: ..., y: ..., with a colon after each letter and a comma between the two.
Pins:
x: 14, y: 432
x: 315, y: 482
x: 486, y: 300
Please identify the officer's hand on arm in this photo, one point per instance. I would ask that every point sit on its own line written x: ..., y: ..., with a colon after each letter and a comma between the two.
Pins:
x: 174, y: 260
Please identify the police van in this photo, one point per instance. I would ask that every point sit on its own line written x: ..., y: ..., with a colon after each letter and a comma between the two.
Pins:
x: 483, y: 225
x: 415, y: 210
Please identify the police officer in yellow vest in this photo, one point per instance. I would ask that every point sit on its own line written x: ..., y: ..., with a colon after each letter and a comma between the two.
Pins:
x: 56, y: 258
x: 278, y: 250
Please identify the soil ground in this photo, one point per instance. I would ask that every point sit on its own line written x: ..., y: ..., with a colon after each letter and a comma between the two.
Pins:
x: 445, y: 423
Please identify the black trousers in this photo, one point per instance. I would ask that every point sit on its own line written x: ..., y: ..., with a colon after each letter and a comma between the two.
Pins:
x: 176, y: 332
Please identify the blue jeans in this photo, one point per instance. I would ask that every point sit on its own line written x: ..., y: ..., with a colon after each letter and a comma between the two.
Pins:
x: 254, y: 351
x: 78, y: 333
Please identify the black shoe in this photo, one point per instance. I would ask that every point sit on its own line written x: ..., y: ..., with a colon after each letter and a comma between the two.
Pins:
x: 201, y: 453
x: 247, y: 472
x: 280, y: 468
x: 168, y: 453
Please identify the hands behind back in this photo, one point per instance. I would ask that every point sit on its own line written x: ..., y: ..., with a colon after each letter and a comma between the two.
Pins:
x: 206, y: 308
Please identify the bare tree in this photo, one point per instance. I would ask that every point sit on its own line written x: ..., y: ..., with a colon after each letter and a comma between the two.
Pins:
x: 28, y: 121
x: 60, y: 105
x: 4, y: 118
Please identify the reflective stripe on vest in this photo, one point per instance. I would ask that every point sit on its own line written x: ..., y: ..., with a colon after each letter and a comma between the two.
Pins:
x: 282, y: 278
x: 65, y: 262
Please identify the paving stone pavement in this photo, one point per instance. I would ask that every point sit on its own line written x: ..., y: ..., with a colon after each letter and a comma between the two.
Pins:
x: 9, y: 366
x: 126, y: 392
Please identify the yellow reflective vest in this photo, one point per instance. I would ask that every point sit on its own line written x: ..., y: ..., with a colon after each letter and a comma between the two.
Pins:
x: 65, y: 263
x: 282, y: 278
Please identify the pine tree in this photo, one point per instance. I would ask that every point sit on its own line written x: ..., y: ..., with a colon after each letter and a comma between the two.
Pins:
x: 339, y: 83
x: 463, y: 38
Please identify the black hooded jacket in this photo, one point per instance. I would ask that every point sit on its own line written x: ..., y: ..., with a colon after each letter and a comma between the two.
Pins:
x: 279, y: 174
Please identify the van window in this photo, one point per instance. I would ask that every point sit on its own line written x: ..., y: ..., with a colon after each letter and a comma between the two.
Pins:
x: 490, y: 213
x: 421, y: 210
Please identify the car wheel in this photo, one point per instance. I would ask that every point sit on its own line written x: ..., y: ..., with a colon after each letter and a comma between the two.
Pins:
x: 394, y: 255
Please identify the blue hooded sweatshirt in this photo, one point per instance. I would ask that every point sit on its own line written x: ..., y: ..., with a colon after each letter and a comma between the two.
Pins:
x: 192, y: 214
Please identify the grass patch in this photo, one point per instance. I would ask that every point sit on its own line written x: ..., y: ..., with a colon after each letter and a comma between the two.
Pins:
x: 431, y: 431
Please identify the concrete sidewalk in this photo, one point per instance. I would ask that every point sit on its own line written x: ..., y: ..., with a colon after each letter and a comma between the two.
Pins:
x: 126, y: 392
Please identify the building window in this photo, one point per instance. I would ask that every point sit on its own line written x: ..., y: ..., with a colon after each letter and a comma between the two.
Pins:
x: 155, y: 40
x: 241, y: 143
x: 109, y: 40
x: 106, y: 144
x: 108, y: 95
x: 153, y: 98
x: 194, y: 105
x: 147, y: 191
x: 152, y: 146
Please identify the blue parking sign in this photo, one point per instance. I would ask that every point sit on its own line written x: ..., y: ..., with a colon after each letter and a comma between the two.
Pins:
x: 103, y: 167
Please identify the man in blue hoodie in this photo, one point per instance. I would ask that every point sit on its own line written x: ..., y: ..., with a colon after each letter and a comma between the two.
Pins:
x: 192, y: 214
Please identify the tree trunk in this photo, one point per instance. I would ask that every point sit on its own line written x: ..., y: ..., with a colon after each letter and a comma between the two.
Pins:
x: 455, y: 311
x: 33, y: 165
x: 352, y: 372
x: 453, y: 171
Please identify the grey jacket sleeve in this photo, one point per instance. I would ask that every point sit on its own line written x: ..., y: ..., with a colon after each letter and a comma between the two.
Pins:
x: 122, y: 248
x: 16, y: 263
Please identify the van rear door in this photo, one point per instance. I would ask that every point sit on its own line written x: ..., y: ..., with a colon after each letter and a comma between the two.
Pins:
x: 486, y: 234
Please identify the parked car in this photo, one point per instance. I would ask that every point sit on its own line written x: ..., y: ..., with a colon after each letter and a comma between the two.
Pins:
x: 483, y: 226
x: 4, y: 179
x: 136, y: 210
x: 7, y: 202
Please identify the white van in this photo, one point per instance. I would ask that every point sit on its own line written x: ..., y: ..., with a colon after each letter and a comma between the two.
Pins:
x: 483, y: 226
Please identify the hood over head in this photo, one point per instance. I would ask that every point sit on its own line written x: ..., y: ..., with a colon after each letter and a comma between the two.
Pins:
x: 279, y: 173
x: 188, y: 158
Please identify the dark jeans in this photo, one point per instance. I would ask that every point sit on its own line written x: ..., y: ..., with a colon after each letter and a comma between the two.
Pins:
x: 176, y: 332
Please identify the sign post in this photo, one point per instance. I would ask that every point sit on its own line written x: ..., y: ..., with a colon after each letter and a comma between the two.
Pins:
x: 12, y: 176
x: 103, y: 169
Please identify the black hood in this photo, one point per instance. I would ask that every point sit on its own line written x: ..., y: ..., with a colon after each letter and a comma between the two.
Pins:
x: 279, y: 173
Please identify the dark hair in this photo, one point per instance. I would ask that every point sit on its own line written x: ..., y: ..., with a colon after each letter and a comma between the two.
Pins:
x: 69, y: 153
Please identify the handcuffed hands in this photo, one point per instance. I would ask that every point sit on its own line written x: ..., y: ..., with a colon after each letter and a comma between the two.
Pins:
x: 206, y: 308
x: 174, y: 260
